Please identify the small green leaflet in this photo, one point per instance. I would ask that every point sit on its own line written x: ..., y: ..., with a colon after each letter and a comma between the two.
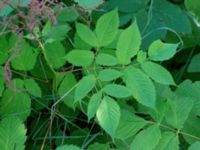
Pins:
x: 108, y: 115
x: 107, y: 27
x: 140, y: 86
x: 55, y: 53
x: 160, y: 51
x: 68, y: 147
x: 117, y: 90
x: 193, y: 6
x: 13, y: 134
x: 109, y: 74
x: 194, y: 65
x: 80, y: 57
x: 158, y: 73
x: 129, y: 125
x: 67, y: 84
x: 87, y: 35
x: 22, y: 60
x: 141, y: 56
x: 67, y: 15
x: 147, y: 139
x: 15, y: 104
x: 93, y: 105
x: 57, y: 33
x: 89, y: 4
x: 32, y: 87
x: 169, y: 141
x: 194, y: 146
x: 128, y: 44
x: 106, y: 59
x: 178, y: 111
x: 84, y: 86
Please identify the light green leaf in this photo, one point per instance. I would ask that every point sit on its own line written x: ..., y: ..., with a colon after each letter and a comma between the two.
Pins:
x: 169, y: 141
x: 32, y: 87
x: 104, y: 30
x: 106, y: 59
x: 194, y: 65
x: 22, y: 60
x: 68, y: 83
x: 147, y: 139
x: 55, y: 53
x: 140, y: 86
x: 87, y: 35
x: 194, y: 146
x: 80, y: 57
x: 13, y: 134
x: 84, y: 86
x: 67, y: 14
x: 128, y: 44
x: 108, y: 115
x: 89, y: 4
x: 160, y: 51
x: 93, y: 105
x: 193, y: 6
x: 68, y: 147
x: 178, y: 111
x: 15, y: 104
x: 57, y: 33
x: 117, y: 91
x: 1, y: 81
x: 141, y: 56
x: 129, y: 125
x: 158, y: 73
x: 109, y: 74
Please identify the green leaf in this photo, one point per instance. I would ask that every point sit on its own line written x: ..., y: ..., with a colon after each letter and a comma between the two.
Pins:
x: 13, y: 134
x: 147, y: 139
x: 178, y: 111
x: 158, y: 73
x: 80, y: 57
x: 109, y: 74
x: 93, y: 105
x: 160, y: 51
x: 15, y: 104
x: 22, y: 60
x: 140, y: 86
x: 117, y: 91
x: 108, y: 115
x: 67, y: 84
x: 129, y: 125
x: 89, y: 4
x: 141, y: 56
x: 194, y: 146
x: 193, y: 6
x: 128, y: 44
x: 85, y: 85
x: 106, y: 59
x: 169, y: 141
x: 194, y: 65
x: 67, y: 14
x: 104, y: 30
x: 87, y: 35
x: 68, y: 147
x: 98, y: 146
x: 55, y: 54
x: 57, y: 33
x: 32, y: 87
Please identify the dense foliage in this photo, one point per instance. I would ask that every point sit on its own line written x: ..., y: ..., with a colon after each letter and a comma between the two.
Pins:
x: 100, y: 75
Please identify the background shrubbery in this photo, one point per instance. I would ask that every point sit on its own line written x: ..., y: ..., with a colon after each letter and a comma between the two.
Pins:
x: 94, y: 74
